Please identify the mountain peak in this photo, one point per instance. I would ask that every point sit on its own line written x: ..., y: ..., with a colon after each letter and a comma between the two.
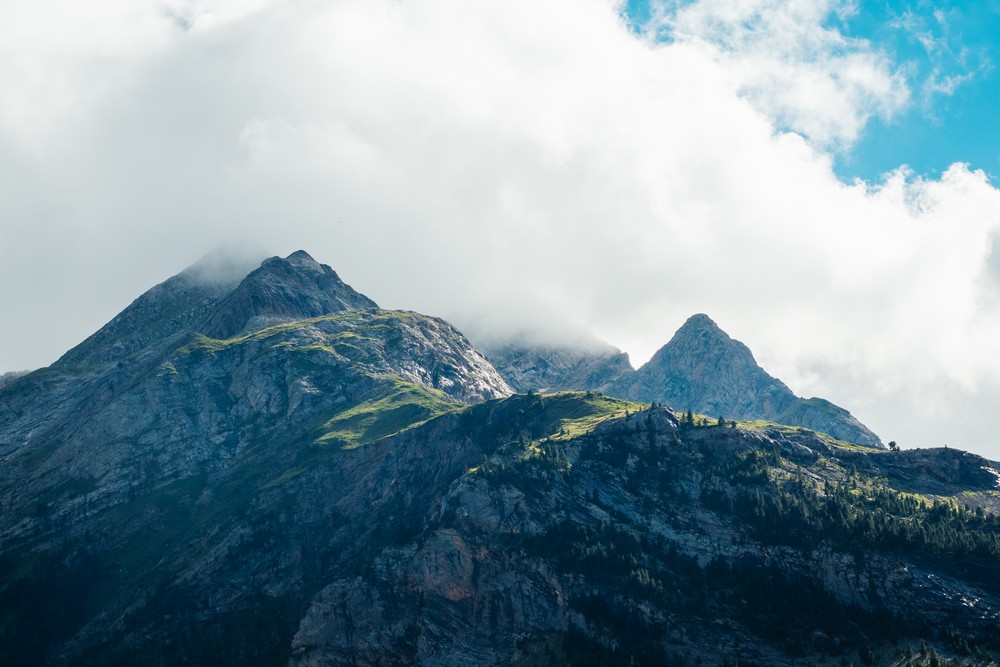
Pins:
x: 286, y: 289
x: 222, y: 294
x: 301, y: 256
x: 302, y: 262
x: 700, y: 321
x: 701, y: 352
x: 704, y: 327
x: 703, y: 369
x: 298, y: 262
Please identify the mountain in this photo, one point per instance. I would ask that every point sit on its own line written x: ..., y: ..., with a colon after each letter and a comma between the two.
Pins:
x: 283, y: 290
x: 528, y: 363
x: 140, y: 461
x: 704, y: 370
x: 221, y: 475
x: 219, y: 296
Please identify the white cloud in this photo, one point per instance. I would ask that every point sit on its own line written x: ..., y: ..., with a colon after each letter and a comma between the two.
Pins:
x: 448, y: 156
x: 784, y: 57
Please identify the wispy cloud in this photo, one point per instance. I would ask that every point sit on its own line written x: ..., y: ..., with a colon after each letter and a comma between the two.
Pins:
x: 791, y: 64
x: 950, y: 63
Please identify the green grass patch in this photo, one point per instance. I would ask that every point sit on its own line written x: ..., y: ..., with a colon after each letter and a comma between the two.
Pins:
x: 578, y: 413
x: 760, y: 425
x: 357, y: 324
x: 404, y: 406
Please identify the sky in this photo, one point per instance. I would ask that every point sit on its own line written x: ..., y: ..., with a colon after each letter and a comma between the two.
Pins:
x: 820, y: 177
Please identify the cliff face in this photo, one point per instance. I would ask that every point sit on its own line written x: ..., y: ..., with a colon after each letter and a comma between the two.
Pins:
x: 704, y: 370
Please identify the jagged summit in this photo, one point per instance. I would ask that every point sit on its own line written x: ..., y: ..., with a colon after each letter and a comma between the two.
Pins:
x: 700, y: 334
x: 302, y: 256
x: 703, y: 369
x: 220, y: 295
x: 283, y: 290
x: 701, y: 321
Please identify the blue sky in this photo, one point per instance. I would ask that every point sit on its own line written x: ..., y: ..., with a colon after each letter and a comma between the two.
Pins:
x: 934, y: 42
x: 949, y: 54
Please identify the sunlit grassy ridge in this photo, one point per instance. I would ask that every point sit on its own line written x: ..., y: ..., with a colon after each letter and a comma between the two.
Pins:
x: 760, y: 425
x: 358, y: 323
x: 577, y: 413
x: 404, y: 406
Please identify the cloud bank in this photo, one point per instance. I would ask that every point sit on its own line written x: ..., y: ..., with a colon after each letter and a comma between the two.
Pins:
x: 468, y: 157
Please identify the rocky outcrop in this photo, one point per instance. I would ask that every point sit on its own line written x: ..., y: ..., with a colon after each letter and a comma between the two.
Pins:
x: 704, y: 370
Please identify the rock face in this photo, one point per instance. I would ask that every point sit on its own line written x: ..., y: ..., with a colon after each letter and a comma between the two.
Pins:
x: 704, y: 370
x: 529, y: 365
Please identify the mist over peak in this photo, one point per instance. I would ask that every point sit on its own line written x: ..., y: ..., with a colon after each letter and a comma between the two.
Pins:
x: 226, y: 264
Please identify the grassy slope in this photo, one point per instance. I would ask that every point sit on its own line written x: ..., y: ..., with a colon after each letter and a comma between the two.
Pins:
x: 403, y: 406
